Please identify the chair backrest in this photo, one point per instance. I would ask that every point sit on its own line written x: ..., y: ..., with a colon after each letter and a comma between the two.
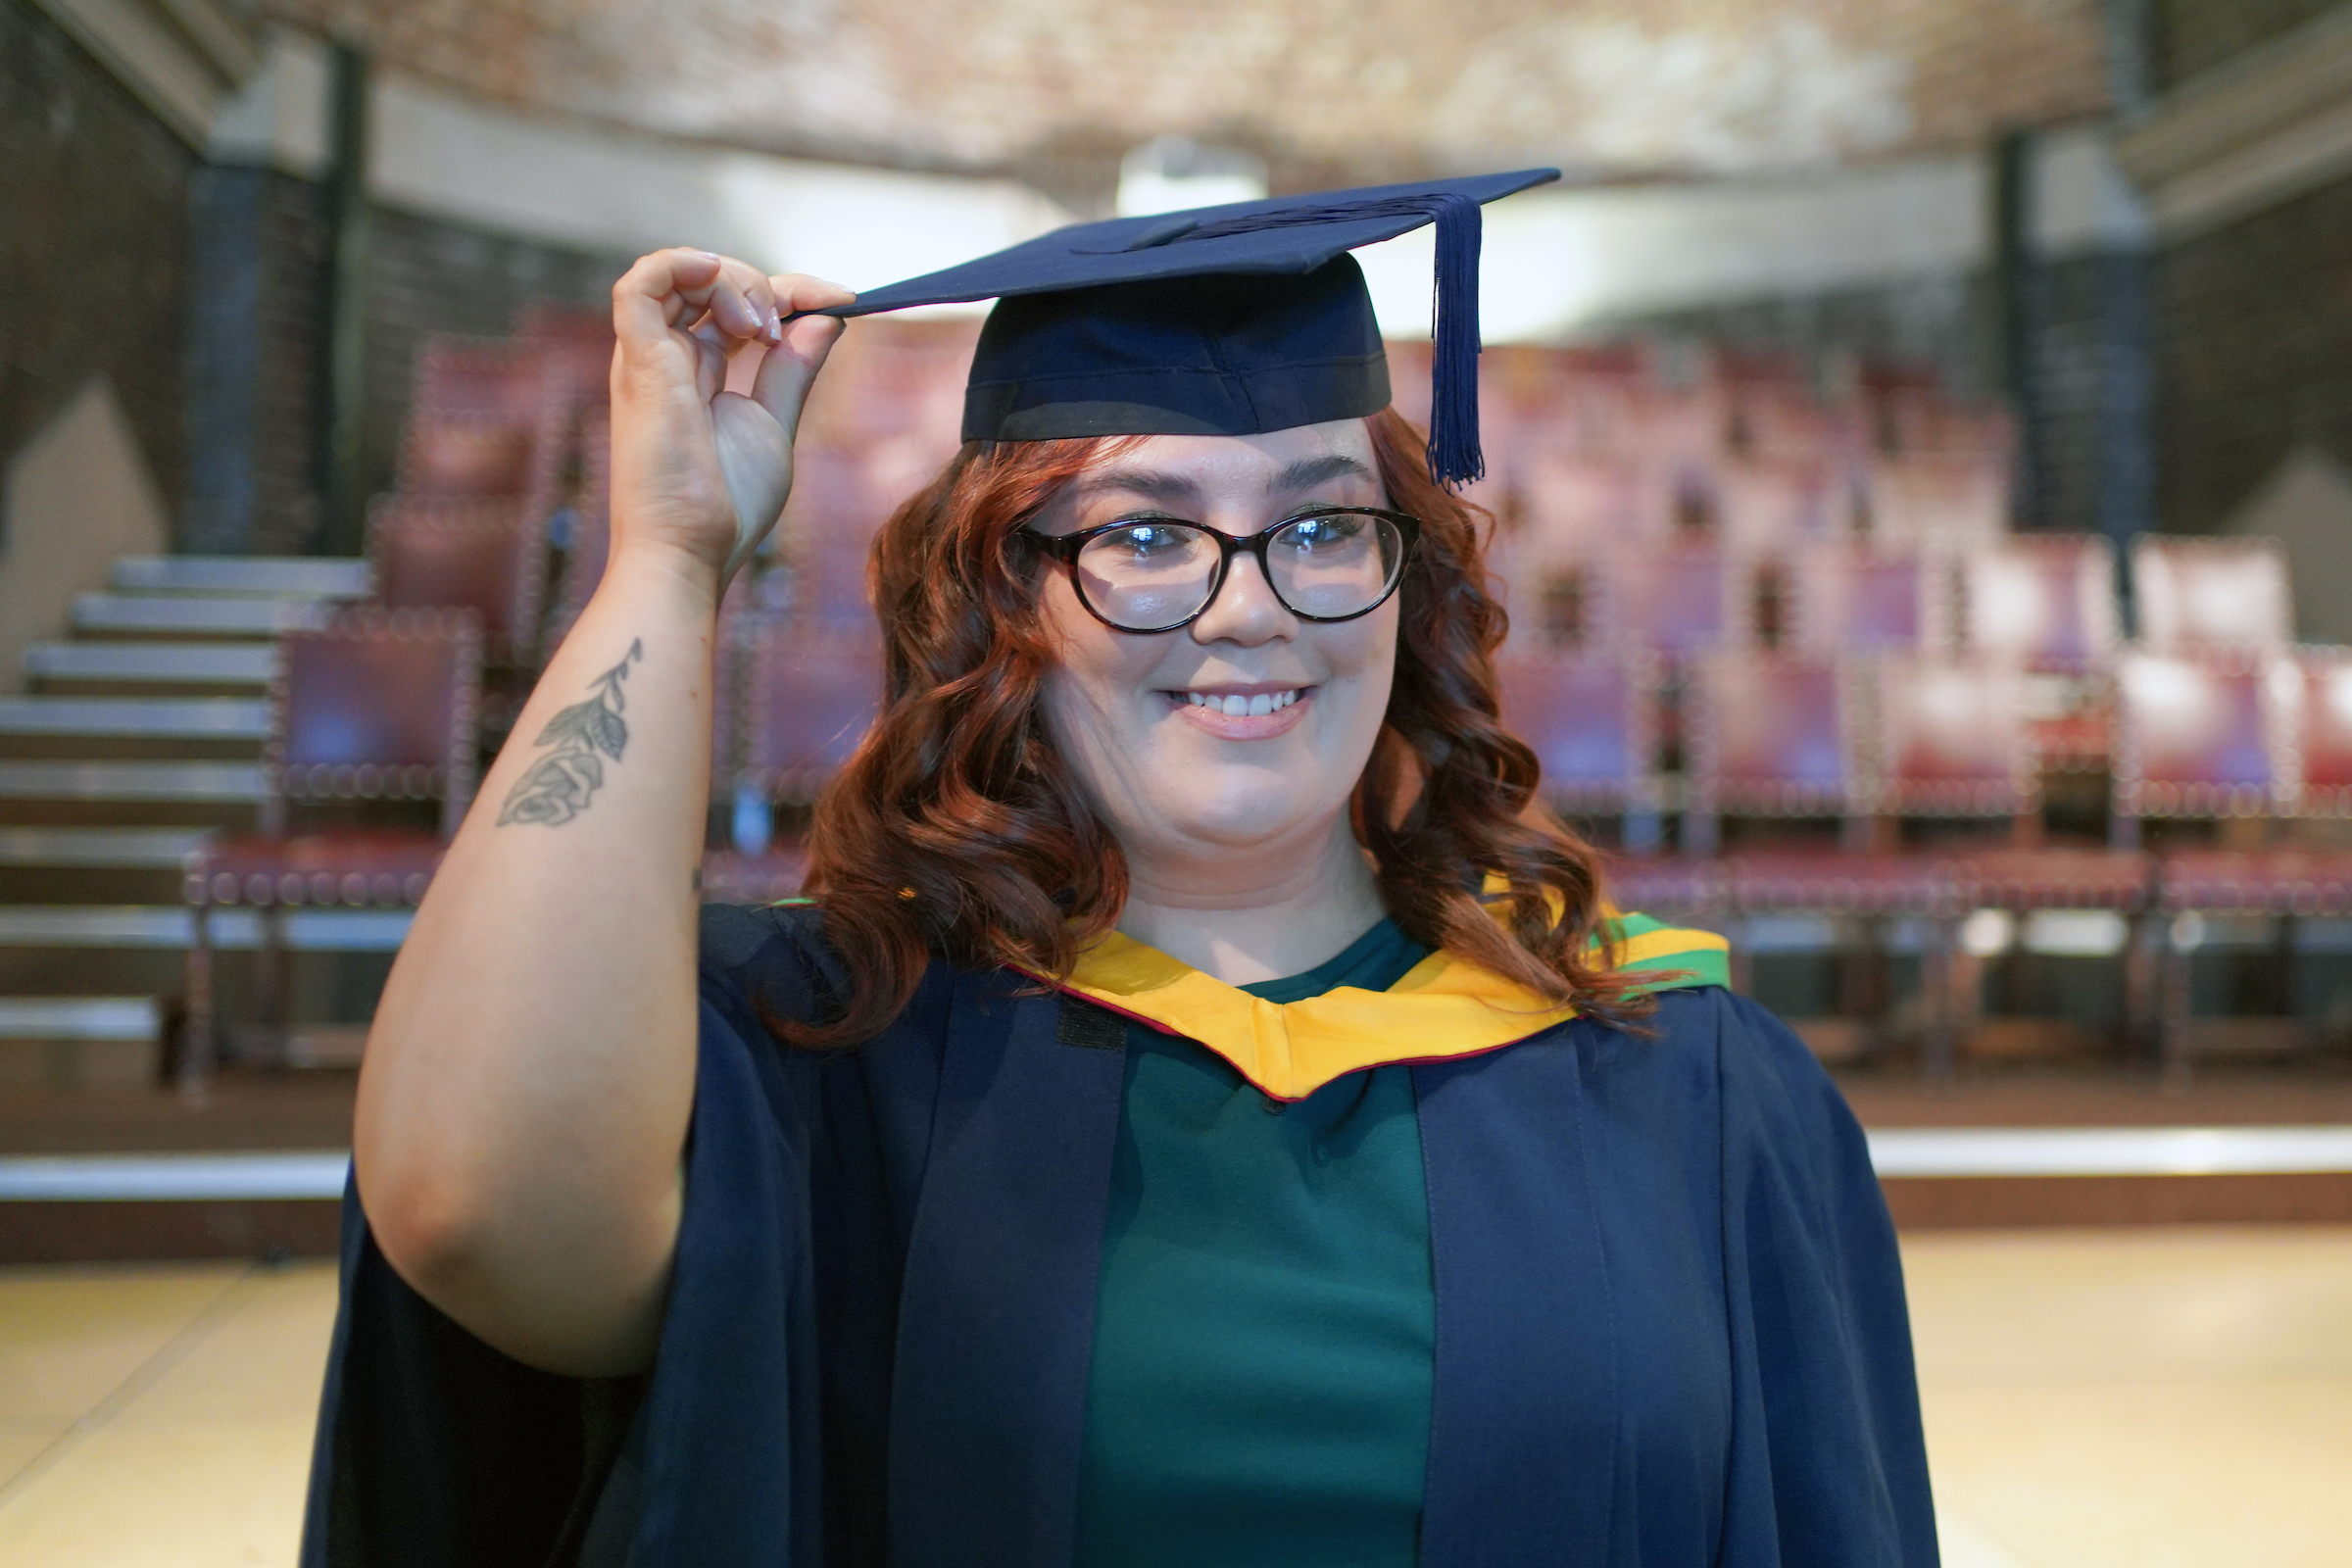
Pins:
x: 1771, y: 502
x: 1852, y: 598
x: 2207, y: 733
x: 1676, y: 599
x: 1591, y: 719
x: 591, y: 532
x: 2047, y: 601
x: 575, y: 348
x: 1774, y: 735
x: 2321, y: 682
x: 487, y: 556
x: 375, y: 704
x: 2211, y: 592
x: 470, y: 456
x: 1952, y: 738
x: 467, y: 378
x: 809, y: 695
x: 1932, y: 498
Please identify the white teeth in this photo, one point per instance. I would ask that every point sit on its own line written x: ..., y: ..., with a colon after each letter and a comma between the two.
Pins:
x: 1239, y: 707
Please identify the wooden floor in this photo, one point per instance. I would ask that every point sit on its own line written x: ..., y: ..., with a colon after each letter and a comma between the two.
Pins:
x: 2148, y: 1400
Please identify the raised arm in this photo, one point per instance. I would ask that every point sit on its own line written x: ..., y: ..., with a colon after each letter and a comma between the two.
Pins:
x: 524, y: 1098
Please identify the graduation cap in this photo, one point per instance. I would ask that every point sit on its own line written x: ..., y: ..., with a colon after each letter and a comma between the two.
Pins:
x: 1222, y: 321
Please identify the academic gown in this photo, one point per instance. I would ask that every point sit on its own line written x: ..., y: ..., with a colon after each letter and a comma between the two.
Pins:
x: 1670, y: 1315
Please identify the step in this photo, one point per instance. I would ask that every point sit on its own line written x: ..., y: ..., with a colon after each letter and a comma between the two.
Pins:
x: 163, y: 926
x: 79, y: 1018
x: 195, y: 664
x: 128, y: 849
x: 141, y: 717
x: 273, y: 1175
x: 131, y: 781
x: 289, y: 576
x: 216, y: 614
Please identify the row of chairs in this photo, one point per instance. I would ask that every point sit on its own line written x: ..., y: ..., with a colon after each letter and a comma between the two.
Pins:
x: 381, y: 706
x: 2249, y: 740
x: 2044, y: 600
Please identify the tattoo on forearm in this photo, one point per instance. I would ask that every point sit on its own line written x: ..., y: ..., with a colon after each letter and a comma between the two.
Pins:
x: 559, y: 786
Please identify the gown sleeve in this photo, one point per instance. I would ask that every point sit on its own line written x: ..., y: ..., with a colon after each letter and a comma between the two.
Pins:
x: 434, y: 1447
x: 1828, y: 1462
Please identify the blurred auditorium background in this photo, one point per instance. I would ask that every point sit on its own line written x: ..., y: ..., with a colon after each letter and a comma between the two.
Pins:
x: 1920, y: 454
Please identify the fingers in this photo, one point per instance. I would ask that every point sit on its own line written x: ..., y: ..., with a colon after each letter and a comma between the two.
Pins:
x: 787, y: 369
x: 683, y: 289
x: 795, y: 292
x: 653, y: 296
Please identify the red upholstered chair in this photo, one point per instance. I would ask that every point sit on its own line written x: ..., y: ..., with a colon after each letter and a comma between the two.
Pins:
x: 2044, y: 601
x: 1854, y: 597
x: 2202, y: 734
x: 575, y: 348
x: 478, y: 378
x: 467, y: 456
x: 2254, y: 736
x: 1774, y: 735
x: 803, y: 699
x: 2212, y: 734
x: 1953, y: 741
x: 1592, y: 721
x: 589, y: 540
x: 2211, y: 592
x: 378, y: 705
x: 2048, y: 602
x: 1772, y: 502
x: 486, y: 556
x: 1676, y: 600
x: 1938, y: 498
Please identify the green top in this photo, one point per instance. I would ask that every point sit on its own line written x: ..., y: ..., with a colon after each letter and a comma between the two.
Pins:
x: 1265, y: 1333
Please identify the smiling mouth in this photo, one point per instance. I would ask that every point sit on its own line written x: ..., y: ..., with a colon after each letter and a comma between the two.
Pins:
x: 1235, y: 705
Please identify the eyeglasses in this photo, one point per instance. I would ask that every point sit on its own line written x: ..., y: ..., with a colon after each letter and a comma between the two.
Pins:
x: 1153, y: 574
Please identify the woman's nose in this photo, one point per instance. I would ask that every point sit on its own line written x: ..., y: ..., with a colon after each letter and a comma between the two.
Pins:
x: 1244, y: 610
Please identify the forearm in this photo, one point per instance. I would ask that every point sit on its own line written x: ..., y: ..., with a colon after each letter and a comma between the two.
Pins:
x: 530, y: 1072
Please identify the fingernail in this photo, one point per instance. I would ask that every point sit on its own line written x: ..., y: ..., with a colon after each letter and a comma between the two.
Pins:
x: 775, y: 328
x: 707, y: 256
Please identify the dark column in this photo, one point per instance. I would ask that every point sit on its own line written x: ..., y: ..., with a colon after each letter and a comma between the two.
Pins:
x: 225, y: 223
x: 2128, y: 335
x: 342, y: 335
x: 2011, y: 349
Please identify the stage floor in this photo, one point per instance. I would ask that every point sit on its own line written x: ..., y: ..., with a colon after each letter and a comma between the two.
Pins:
x: 2143, y: 1399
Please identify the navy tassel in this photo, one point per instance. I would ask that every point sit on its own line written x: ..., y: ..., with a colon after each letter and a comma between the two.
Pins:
x: 1454, y: 457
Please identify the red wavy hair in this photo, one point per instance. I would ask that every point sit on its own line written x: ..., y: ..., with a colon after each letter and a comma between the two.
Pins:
x: 958, y: 831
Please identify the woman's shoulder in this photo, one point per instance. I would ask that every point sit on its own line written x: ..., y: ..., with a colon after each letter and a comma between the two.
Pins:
x: 775, y: 953
x: 1711, y: 1038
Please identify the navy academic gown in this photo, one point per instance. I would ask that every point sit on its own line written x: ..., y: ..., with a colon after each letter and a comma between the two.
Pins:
x: 1670, y: 1317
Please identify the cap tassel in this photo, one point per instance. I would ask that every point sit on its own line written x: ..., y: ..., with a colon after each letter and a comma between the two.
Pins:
x: 1455, y: 459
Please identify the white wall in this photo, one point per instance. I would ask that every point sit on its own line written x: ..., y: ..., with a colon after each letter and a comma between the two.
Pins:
x: 77, y: 496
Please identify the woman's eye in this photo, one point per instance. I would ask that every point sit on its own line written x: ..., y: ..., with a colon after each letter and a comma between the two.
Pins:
x: 1321, y: 533
x: 1149, y: 539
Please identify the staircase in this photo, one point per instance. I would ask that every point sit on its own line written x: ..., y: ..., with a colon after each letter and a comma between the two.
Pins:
x: 140, y: 736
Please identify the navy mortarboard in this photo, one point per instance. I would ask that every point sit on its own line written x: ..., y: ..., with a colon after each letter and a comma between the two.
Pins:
x: 1222, y: 321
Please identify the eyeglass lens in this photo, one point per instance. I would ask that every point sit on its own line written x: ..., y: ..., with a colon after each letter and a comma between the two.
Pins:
x: 1159, y: 572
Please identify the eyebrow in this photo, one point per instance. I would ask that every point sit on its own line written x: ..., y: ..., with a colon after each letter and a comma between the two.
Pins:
x: 1141, y: 482
x: 1304, y: 474
x: 1307, y: 473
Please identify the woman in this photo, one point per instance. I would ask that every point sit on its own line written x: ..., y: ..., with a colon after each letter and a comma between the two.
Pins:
x: 1204, y: 1114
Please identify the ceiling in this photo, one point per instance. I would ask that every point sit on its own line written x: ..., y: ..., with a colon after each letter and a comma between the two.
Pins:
x: 1325, y: 91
